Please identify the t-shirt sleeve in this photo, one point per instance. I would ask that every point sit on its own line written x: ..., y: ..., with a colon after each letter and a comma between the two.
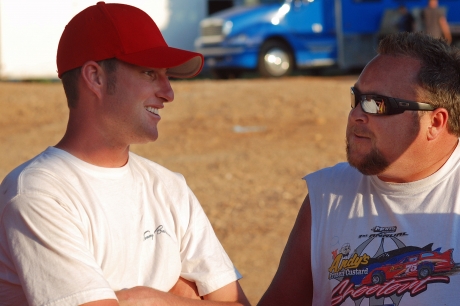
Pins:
x: 43, y: 241
x: 204, y: 260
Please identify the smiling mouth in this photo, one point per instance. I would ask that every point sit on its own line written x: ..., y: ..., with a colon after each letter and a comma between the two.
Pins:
x: 153, y: 110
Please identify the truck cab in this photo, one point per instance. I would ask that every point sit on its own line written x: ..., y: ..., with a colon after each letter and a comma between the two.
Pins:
x: 274, y: 37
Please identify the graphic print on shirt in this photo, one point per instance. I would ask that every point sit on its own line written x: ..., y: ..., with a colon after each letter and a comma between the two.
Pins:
x: 387, y: 274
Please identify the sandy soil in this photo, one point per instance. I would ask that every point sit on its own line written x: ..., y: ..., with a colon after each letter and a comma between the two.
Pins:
x: 243, y: 146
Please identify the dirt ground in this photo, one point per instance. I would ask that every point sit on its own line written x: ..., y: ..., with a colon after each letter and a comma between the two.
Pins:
x: 243, y: 146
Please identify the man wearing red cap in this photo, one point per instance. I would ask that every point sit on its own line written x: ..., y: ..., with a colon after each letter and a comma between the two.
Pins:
x: 87, y: 222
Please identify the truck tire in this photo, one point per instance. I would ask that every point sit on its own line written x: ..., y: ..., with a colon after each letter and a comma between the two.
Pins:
x: 275, y: 59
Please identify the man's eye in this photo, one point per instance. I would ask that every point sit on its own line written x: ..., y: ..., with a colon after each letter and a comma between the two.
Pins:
x: 150, y: 73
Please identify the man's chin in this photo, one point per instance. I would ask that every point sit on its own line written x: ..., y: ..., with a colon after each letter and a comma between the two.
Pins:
x: 354, y: 158
x: 366, y: 170
x: 370, y: 164
x: 146, y: 139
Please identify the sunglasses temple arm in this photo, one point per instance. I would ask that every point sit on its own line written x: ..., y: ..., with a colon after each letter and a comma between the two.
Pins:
x: 410, y: 105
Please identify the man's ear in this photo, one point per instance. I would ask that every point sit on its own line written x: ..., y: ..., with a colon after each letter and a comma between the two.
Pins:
x: 438, y: 122
x: 94, y: 78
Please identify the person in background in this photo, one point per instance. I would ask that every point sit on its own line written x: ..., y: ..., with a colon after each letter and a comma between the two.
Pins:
x: 435, y: 22
x: 87, y: 222
x: 406, y: 21
x: 382, y: 228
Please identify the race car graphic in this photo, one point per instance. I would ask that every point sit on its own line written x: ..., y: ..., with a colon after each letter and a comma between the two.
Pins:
x: 389, y: 275
x: 383, y: 270
x: 408, y: 261
x: 420, y: 264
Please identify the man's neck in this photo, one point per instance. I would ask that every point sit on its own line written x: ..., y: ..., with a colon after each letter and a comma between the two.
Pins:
x: 96, y: 153
x: 419, y: 169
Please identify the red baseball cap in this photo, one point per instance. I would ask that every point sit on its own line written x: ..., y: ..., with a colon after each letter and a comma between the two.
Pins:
x: 121, y: 31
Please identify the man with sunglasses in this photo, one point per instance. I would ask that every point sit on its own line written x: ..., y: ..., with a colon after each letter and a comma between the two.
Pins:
x: 396, y: 204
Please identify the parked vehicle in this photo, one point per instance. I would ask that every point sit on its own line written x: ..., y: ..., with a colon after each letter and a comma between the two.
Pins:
x: 277, y: 36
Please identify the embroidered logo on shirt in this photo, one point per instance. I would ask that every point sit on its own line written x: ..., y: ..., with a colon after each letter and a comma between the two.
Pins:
x: 158, y: 231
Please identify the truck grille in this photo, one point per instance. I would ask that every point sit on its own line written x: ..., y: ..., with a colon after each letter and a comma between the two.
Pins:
x: 211, y: 27
x: 211, y: 30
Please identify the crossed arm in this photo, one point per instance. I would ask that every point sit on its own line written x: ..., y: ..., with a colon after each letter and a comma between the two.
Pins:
x: 183, y: 293
x: 293, y: 283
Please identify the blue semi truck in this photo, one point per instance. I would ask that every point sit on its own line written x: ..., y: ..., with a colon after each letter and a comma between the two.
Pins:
x: 276, y: 37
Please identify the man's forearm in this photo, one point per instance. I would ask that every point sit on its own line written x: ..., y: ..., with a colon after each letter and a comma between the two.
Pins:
x: 145, y: 296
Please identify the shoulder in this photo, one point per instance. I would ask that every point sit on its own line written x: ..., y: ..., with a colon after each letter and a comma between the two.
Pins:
x: 30, y: 176
x: 334, y: 173
x: 46, y: 178
x: 332, y: 181
x: 441, y: 11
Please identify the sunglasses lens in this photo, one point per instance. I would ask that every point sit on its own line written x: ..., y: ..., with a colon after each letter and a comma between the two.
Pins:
x: 373, y: 104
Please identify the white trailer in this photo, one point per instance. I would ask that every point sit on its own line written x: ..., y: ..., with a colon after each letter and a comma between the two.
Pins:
x: 30, y: 30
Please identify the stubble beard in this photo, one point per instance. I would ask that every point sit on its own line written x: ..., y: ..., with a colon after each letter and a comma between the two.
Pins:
x: 372, y: 163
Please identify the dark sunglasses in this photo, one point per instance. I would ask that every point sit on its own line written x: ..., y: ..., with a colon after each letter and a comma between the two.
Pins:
x: 383, y: 105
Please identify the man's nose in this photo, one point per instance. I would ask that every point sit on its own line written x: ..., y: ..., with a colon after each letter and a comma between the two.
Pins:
x: 357, y: 114
x: 165, y: 90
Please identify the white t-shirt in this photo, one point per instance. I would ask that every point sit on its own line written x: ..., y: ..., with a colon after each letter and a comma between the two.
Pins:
x: 72, y: 232
x: 378, y: 243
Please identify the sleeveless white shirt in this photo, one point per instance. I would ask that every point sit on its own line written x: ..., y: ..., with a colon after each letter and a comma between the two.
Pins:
x: 378, y: 243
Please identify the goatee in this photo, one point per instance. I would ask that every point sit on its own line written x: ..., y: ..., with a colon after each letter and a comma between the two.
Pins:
x: 371, y: 164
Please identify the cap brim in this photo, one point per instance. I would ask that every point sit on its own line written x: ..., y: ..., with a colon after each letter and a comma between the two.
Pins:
x: 180, y: 63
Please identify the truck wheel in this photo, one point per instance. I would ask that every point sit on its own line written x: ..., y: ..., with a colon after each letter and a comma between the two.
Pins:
x: 275, y: 59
